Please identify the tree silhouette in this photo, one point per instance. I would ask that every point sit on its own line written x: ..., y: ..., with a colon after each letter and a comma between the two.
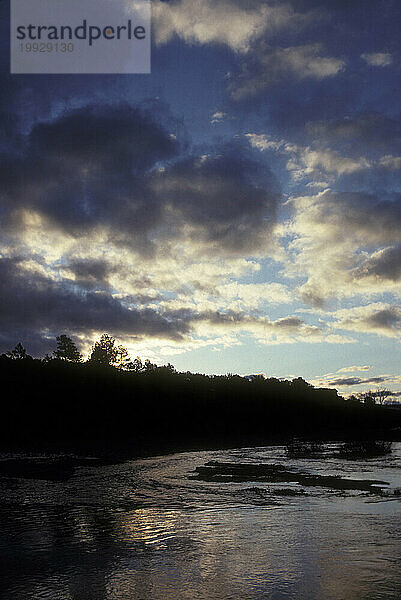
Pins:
x: 168, y: 369
x: 104, y: 352
x: 368, y: 398
x: 136, y: 365
x: 67, y: 350
x: 123, y: 359
x: 19, y: 353
x: 354, y: 400
x: 149, y: 366
x: 155, y: 408
x: 300, y: 384
x: 381, y: 394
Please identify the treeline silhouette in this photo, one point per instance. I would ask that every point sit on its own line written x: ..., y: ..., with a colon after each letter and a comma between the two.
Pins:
x: 113, y: 405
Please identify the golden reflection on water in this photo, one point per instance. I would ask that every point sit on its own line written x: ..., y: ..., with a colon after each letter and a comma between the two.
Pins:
x: 149, y: 526
x: 81, y: 544
x: 277, y: 554
x: 215, y: 551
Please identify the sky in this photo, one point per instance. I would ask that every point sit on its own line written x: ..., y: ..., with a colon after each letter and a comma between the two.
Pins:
x: 237, y: 210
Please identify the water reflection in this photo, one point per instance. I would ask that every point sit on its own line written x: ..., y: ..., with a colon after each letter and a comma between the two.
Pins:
x: 148, y: 527
x: 194, y: 540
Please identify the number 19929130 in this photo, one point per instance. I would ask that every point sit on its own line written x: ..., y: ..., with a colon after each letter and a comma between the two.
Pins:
x: 47, y: 47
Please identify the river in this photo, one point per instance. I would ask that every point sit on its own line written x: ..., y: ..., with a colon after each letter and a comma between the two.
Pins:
x: 152, y: 529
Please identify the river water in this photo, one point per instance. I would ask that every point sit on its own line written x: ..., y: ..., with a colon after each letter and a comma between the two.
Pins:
x: 147, y: 530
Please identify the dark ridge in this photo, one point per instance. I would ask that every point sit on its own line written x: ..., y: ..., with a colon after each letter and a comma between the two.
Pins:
x: 104, y: 411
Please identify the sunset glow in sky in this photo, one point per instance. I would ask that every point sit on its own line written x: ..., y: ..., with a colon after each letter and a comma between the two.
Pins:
x: 237, y: 210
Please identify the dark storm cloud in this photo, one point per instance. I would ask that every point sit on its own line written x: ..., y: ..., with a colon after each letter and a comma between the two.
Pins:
x: 90, y: 273
x: 31, y: 302
x: 95, y: 274
x: 227, y: 200
x: 90, y: 167
x: 118, y: 139
x: 86, y: 169
x: 90, y: 269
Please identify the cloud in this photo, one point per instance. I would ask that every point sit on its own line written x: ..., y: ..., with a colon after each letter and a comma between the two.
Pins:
x: 384, y: 264
x: 227, y: 22
x: 285, y: 330
x: 268, y: 65
x: 377, y: 59
x: 320, y: 161
x: 110, y: 292
x: 88, y: 273
x: 218, y: 117
x: 364, y: 134
x: 262, y: 142
x: 354, y: 368
x: 95, y: 168
x: 85, y: 170
x: 317, y: 163
x: 363, y: 217
x: 89, y: 135
x: 391, y: 162
x: 351, y: 381
x: 35, y: 308
x: 364, y: 148
x: 378, y: 318
x: 32, y: 302
x: 344, y: 244
x: 225, y: 203
x: 178, y: 231
x: 361, y: 383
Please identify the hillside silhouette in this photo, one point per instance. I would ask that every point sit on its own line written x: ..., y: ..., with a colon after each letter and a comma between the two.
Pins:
x: 120, y: 406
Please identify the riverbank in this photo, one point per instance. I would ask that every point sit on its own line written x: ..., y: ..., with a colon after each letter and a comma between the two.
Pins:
x: 76, y: 408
